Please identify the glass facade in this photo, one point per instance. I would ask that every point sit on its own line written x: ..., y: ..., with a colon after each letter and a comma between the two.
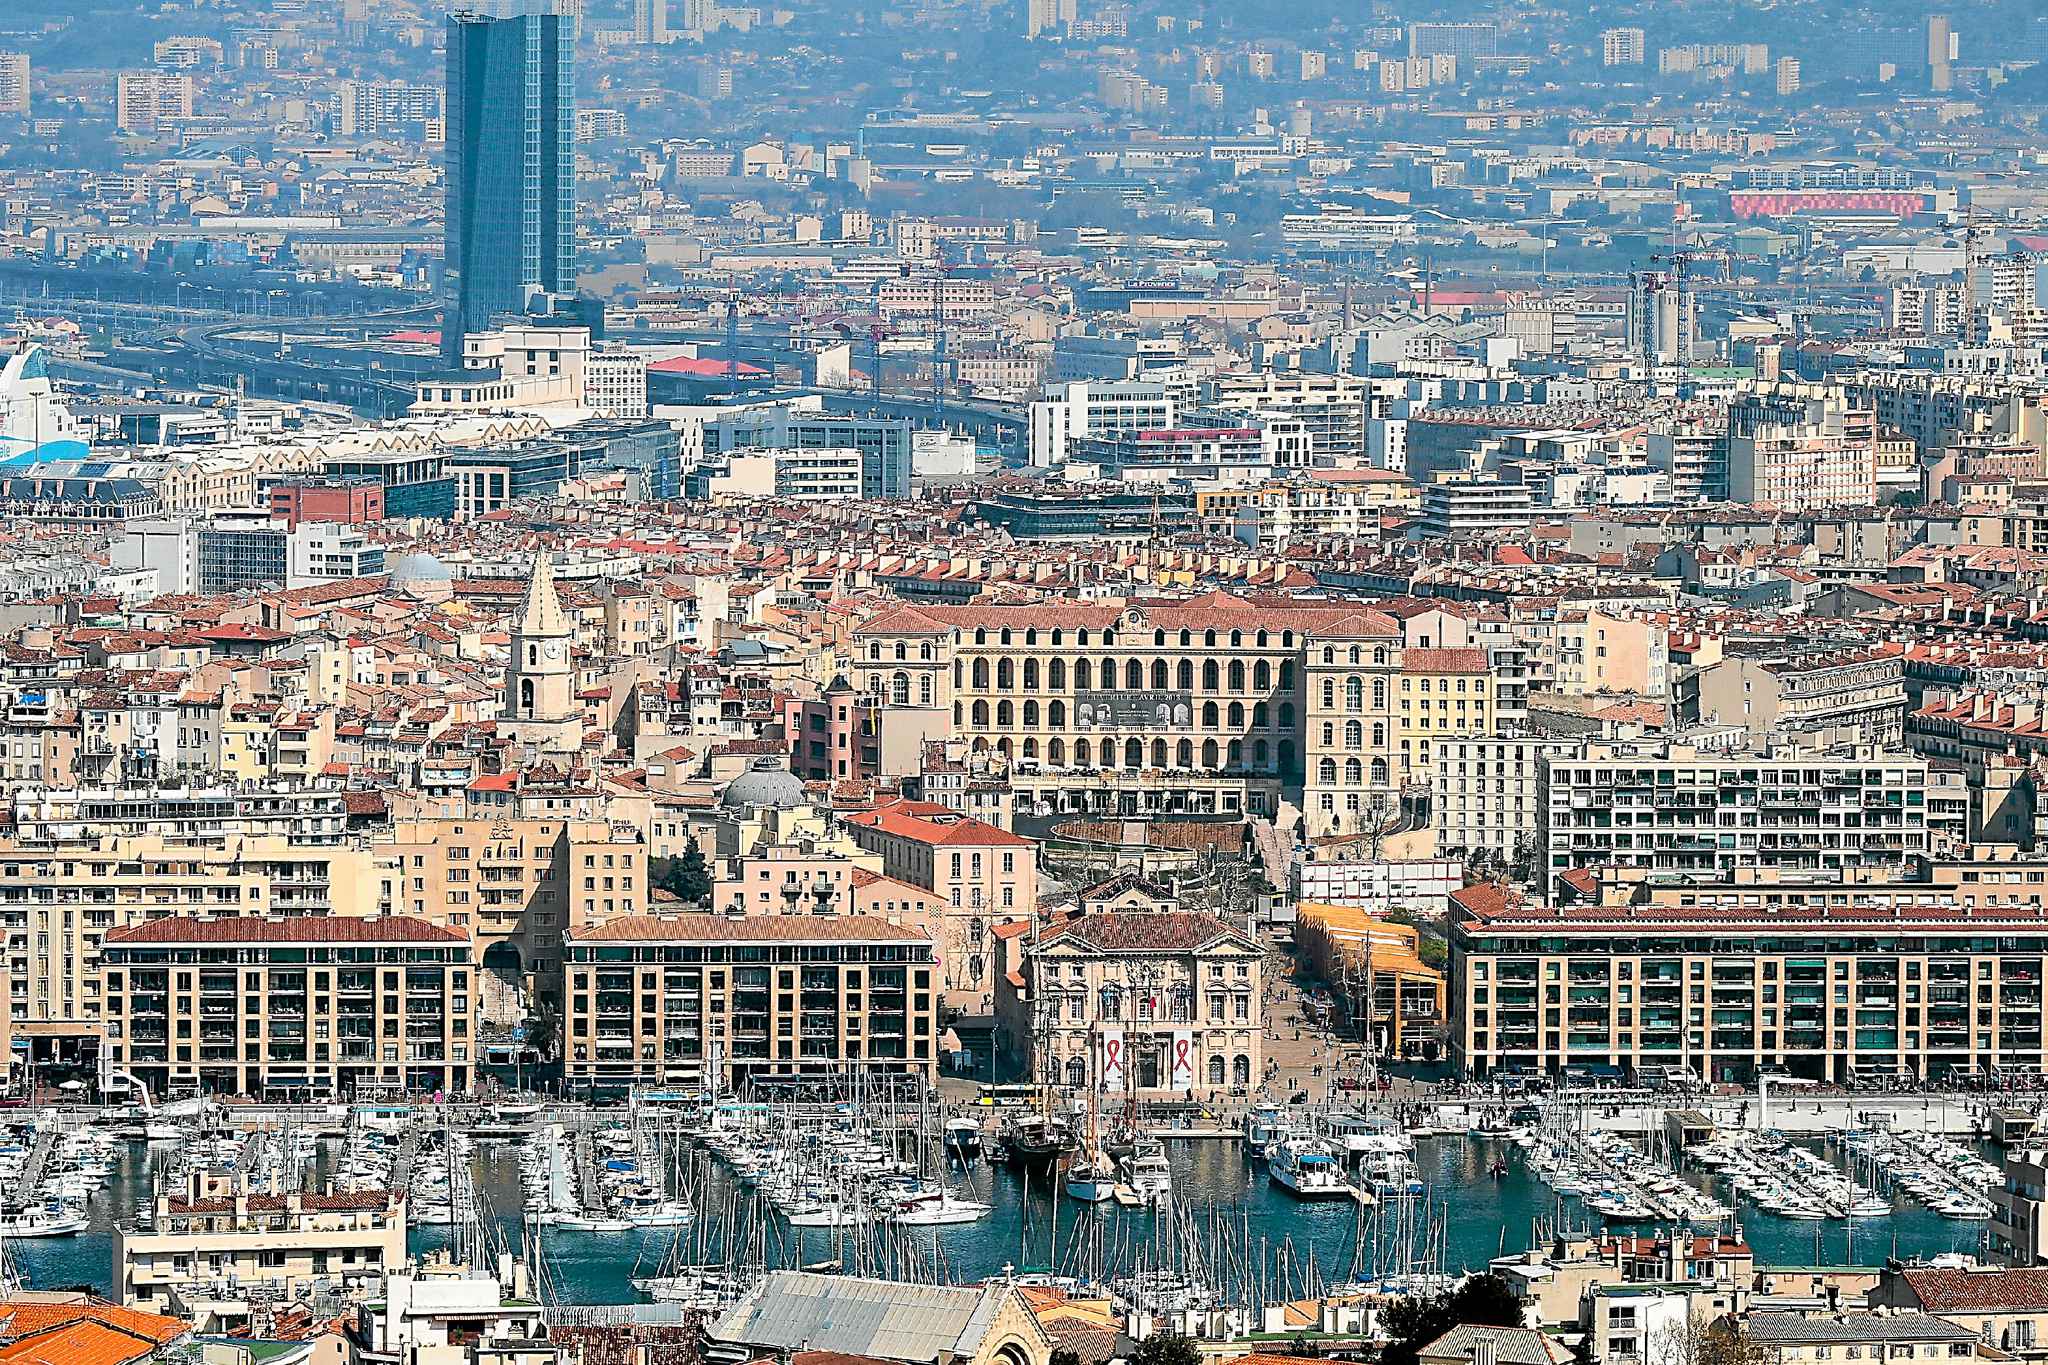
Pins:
x: 511, y: 210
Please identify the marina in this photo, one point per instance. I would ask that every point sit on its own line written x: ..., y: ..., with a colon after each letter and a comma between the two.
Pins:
x: 687, y: 1207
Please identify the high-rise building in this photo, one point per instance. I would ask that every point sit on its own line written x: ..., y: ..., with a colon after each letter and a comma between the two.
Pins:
x: 650, y: 21
x: 1788, y: 75
x: 1623, y: 47
x: 14, y: 83
x: 1941, y: 52
x: 1043, y: 16
x: 145, y: 100
x: 511, y: 163
x: 1458, y: 40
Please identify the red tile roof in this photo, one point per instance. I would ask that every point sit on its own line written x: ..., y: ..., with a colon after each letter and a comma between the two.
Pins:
x: 297, y: 929
x: 691, y: 928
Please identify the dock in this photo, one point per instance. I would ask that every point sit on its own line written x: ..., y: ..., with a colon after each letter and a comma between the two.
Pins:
x: 47, y: 1136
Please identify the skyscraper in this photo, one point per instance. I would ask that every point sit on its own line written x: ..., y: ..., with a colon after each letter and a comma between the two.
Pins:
x: 511, y: 217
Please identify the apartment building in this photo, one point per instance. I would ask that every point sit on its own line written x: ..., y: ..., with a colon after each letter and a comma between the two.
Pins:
x: 1444, y: 693
x: 199, y: 812
x: 145, y: 101
x: 1487, y: 795
x: 1802, y: 448
x: 1208, y: 706
x: 14, y: 84
x: 1160, y: 1002
x: 512, y: 886
x: 217, y: 1237
x: 247, y: 1005
x: 748, y: 1005
x: 1828, y: 992
x: 59, y: 900
x: 1677, y: 808
x: 985, y: 875
x: 1857, y: 697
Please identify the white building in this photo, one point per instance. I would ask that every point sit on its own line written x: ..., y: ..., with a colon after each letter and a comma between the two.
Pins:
x: 1086, y: 408
x: 1488, y: 793
x: 615, y: 383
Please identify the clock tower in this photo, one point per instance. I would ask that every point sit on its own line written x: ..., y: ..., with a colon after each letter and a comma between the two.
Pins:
x: 540, y: 708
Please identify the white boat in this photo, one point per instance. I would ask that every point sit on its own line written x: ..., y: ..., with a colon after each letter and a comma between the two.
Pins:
x: 939, y: 1210
x: 1307, y: 1168
x: 589, y: 1222
x: 963, y: 1137
x: 42, y: 1222
x: 1091, y: 1180
x: 1150, y: 1176
x: 1262, y: 1128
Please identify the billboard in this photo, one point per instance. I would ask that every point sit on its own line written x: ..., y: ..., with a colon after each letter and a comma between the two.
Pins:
x: 1133, y: 710
x: 1113, y: 1064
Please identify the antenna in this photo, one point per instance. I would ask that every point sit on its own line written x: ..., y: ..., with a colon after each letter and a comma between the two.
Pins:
x: 732, y: 337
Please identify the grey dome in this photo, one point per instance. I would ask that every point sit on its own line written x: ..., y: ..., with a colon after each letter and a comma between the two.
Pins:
x: 767, y: 783
x: 422, y: 576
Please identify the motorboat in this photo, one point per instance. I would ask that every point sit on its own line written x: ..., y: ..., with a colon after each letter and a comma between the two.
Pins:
x: 963, y: 1137
x: 1150, y: 1175
x: 1262, y: 1128
x: 1307, y: 1168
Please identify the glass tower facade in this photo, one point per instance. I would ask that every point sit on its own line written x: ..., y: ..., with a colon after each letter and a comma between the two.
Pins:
x: 511, y: 216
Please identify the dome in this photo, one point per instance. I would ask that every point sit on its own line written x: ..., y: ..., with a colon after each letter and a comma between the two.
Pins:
x: 767, y: 783
x: 424, y: 577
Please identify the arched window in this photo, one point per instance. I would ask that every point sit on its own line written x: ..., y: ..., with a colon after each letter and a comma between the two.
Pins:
x: 956, y: 715
x: 1262, y: 675
x: 1211, y: 677
x: 1056, y: 752
x: 1259, y: 752
x: 1379, y: 694
x: 1236, y: 715
x: 1184, y: 674
x: 957, y: 677
x: 1107, y: 672
x: 1006, y: 714
x: 1006, y: 635
x: 1187, y: 637
x: 1326, y: 772
x: 981, y: 715
x: 526, y: 694
x: 1134, y: 753
x: 1286, y: 674
x: 899, y: 689
x: 1055, y: 715
x: 1056, y: 675
x: 1379, y: 734
x: 1031, y: 675
x: 1134, y: 676
x: 1209, y: 639
x: 1354, y: 734
x: 1006, y: 673
x: 1209, y: 715
x: 1379, y: 772
x: 1081, y: 675
x: 875, y: 650
x: 924, y: 689
x: 1159, y: 753
x: 1329, y: 734
x: 1031, y: 748
x: 1241, y: 1070
x: 1286, y: 715
x: 1234, y: 755
x: 1209, y: 753
x: 1354, y: 693
x: 1184, y: 754
x: 1329, y: 655
x: 1030, y: 715
x: 1329, y: 694
x: 1077, y: 1072
x: 1354, y: 773
x: 1237, y: 639
x: 1160, y: 676
x: 1259, y: 716
x: 902, y: 653
x: 1262, y: 639
x: 1031, y: 635
x: 1237, y: 675
x: 981, y: 675
x: 1216, y: 1070
x: 1379, y: 654
x: 1158, y: 639
x: 980, y: 635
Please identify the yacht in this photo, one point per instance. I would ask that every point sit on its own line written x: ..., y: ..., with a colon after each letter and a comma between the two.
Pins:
x: 43, y: 1221
x: 942, y: 1209
x: 963, y: 1137
x: 1262, y: 1128
x: 1091, y: 1179
x: 1306, y: 1167
x: 1151, y: 1178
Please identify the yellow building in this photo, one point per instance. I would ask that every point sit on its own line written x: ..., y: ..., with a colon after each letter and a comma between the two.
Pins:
x: 1444, y: 694
x: 1379, y: 960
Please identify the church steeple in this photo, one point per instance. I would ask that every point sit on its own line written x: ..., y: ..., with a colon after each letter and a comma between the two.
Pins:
x: 540, y: 676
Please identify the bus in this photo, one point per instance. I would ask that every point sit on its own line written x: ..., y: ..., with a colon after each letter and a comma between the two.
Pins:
x: 1007, y: 1096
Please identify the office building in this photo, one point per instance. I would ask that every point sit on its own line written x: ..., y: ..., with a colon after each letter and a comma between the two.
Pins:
x: 615, y: 383
x: 1463, y: 40
x: 885, y: 443
x: 511, y: 178
x: 145, y: 101
x: 748, y: 1006
x: 1085, y: 408
x: 307, y: 1006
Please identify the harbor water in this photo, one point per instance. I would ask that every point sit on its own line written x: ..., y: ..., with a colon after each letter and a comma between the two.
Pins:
x: 1474, y: 1217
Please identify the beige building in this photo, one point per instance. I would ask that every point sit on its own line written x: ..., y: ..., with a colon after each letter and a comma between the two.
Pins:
x: 1855, y: 698
x: 746, y: 1005
x: 1598, y: 654
x: 1445, y: 694
x: 513, y: 886
x: 218, y: 1239
x: 984, y: 876
x: 1166, y: 1003
x: 146, y: 100
x: 311, y: 1006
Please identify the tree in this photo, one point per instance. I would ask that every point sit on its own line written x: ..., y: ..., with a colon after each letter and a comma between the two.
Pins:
x: 1166, y: 1348
x: 542, y: 1030
x: 1064, y: 1356
x: 686, y: 878
x: 1481, y: 1301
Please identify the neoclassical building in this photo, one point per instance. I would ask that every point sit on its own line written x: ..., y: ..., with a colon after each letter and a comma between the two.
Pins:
x: 1218, y: 704
x: 1159, y: 1002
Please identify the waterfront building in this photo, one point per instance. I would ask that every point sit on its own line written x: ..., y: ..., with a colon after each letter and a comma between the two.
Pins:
x: 985, y: 875
x: 511, y: 184
x: 216, y: 1239
x: 1163, y: 1003
x: 245, y: 1005
x: 746, y: 1005
x: 1833, y: 992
